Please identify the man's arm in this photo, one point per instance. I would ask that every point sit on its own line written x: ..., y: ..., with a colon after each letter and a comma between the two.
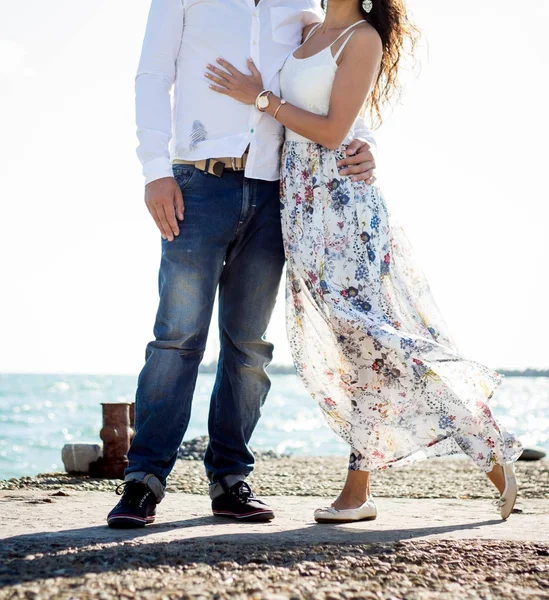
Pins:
x: 153, y: 82
x: 312, y: 13
x: 360, y: 163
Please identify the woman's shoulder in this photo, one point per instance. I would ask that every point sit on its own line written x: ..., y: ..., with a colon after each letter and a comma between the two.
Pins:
x: 365, y: 38
x: 367, y: 33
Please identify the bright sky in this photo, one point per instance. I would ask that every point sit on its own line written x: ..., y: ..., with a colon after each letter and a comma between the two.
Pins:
x: 463, y: 162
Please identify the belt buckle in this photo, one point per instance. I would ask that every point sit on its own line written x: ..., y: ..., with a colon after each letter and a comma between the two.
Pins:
x: 216, y: 167
x: 233, y: 163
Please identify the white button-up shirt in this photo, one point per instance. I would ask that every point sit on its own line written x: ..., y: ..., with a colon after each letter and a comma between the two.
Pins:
x: 182, y: 37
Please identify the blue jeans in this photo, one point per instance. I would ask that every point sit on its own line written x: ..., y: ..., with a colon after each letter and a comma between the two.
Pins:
x: 229, y: 239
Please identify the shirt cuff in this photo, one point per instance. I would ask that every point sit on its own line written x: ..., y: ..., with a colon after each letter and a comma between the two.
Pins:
x: 367, y: 136
x: 157, y: 169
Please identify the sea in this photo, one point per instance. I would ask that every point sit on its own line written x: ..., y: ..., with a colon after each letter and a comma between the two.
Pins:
x: 40, y: 413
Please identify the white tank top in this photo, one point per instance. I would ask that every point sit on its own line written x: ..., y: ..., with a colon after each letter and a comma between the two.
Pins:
x: 307, y: 83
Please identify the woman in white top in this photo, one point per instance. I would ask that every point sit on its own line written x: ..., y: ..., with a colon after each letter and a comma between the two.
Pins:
x: 365, y: 333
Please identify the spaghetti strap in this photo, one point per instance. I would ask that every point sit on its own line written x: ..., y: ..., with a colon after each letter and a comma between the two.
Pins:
x: 311, y: 32
x: 338, y: 53
x: 348, y: 29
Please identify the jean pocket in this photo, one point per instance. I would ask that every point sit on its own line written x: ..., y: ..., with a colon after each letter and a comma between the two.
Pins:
x: 184, y: 174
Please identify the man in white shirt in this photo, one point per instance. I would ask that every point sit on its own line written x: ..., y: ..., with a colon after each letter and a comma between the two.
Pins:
x: 211, y: 169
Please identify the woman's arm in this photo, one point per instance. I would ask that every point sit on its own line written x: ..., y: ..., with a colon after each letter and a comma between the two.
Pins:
x: 355, y: 76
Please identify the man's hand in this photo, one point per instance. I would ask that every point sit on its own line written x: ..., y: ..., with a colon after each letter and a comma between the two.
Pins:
x: 360, y: 162
x: 164, y: 200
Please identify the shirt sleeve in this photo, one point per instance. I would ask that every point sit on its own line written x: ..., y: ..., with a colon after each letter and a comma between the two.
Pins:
x: 153, y: 82
x: 362, y: 131
x: 313, y: 12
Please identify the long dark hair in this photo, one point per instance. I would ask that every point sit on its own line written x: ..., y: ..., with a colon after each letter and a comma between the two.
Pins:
x: 399, y: 37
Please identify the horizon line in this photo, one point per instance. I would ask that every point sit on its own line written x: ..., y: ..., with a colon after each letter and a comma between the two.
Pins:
x: 283, y: 368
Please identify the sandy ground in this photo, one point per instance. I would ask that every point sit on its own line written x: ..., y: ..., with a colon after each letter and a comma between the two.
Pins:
x: 437, y: 536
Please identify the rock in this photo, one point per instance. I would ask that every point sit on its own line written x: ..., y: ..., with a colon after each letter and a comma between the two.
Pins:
x: 77, y: 457
x: 533, y: 454
x: 196, y: 448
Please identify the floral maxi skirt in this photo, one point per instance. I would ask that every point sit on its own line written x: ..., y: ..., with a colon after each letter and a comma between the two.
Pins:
x: 365, y: 334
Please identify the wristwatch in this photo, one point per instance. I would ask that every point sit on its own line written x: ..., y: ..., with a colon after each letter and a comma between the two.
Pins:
x: 262, y: 101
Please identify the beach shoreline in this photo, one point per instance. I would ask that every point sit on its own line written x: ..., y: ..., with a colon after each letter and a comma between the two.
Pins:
x: 40, y: 414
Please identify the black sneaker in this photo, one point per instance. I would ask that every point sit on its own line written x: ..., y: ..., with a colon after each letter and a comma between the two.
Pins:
x: 136, y: 508
x: 239, y: 502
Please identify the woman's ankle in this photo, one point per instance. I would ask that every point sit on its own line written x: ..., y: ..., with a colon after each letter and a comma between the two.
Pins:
x: 357, y: 483
x: 351, y: 499
x: 497, y: 477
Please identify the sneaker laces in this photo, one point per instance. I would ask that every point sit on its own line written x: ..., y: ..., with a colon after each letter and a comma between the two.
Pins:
x: 134, y: 492
x: 243, y: 492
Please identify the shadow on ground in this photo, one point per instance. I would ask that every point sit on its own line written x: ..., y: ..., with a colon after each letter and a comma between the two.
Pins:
x: 99, y: 549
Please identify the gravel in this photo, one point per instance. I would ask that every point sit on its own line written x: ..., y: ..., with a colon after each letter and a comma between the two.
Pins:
x: 419, y: 570
x: 196, y: 570
x: 324, y: 476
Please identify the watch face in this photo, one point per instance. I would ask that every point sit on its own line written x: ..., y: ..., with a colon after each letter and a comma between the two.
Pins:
x: 263, y: 102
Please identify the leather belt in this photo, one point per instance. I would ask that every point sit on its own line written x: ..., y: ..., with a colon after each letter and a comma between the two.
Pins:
x: 216, y: 166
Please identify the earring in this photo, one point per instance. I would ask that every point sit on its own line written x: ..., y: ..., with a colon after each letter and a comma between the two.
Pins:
x: 367, y: 6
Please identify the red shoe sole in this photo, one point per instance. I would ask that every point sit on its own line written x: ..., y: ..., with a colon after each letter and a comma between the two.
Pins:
x: 129, y: 521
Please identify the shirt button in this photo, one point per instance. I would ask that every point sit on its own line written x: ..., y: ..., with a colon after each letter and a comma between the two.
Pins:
x: 251, y: 130
x: 254, y: 43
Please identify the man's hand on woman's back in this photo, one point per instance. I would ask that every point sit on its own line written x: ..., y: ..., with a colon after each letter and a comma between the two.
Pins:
x: 165, y: 203
x: 360, y: 163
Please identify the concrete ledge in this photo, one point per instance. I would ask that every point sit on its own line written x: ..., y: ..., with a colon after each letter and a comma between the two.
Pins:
x: 31, y: 518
